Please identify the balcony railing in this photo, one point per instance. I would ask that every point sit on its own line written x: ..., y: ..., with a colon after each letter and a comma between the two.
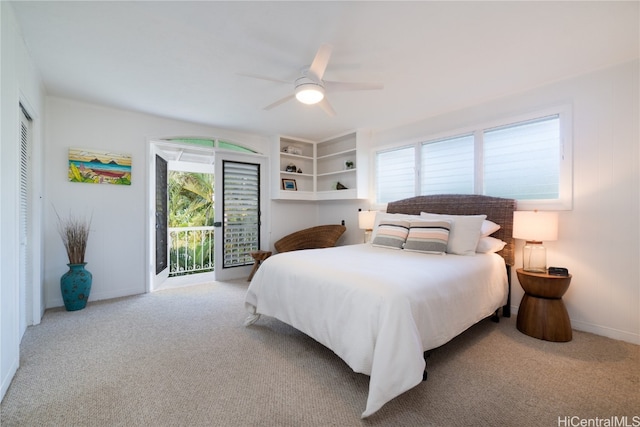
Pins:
x: 190, y: 250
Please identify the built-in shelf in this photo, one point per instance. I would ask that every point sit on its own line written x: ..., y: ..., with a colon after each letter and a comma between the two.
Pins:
x: 338, y: 172
x: 319, y: 168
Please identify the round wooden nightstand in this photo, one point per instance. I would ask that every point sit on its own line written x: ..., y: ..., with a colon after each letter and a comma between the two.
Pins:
x: 542, y: 313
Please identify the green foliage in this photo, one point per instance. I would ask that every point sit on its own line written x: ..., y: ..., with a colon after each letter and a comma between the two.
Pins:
x: 195, y: 256
x: 76, y: 176
x: 190, y: 199
x: 191, y: 205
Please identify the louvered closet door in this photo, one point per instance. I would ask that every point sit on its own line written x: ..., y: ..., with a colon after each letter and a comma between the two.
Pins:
x: 238, y: 214
x: 26, y: 291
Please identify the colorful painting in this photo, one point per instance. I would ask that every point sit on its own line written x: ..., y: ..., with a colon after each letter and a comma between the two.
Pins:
x: 99, y: 167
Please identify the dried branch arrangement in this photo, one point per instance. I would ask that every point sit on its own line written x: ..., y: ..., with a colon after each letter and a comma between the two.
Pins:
x: 75, y: 234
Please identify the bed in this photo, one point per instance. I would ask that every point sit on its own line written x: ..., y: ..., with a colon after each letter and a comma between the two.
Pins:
x: 380, y: 307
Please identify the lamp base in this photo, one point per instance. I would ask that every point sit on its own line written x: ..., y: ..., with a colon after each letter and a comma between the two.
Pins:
x: 534, y: 257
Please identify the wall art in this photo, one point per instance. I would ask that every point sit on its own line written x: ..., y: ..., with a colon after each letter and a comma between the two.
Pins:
x: 99, y: 167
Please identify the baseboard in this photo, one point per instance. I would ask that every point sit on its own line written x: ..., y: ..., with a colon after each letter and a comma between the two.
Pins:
x: 96, y: 296
x: 604, y: 331
x: 6, y: 381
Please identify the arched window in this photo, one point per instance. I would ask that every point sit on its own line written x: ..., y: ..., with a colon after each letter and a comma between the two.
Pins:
x: 213, y: 143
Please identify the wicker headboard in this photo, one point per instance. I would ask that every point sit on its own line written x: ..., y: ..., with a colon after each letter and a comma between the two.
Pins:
x: 497, y: 209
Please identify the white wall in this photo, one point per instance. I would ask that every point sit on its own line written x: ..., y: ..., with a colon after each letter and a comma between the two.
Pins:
x: 19, y: 82
x: 599, y: 240
x: 116, y: 249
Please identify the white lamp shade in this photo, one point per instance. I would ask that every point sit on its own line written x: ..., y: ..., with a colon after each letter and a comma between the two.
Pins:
x: 366, y: 219
x: 535, y: 226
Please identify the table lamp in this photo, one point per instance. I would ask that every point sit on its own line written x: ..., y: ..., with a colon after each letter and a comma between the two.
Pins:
x: 366, y: 220
x: 535, y: 227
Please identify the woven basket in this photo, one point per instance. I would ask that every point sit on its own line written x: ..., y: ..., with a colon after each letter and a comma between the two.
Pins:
x: 321, y: 236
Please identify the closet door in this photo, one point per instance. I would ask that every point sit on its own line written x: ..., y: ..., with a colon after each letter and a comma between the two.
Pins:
x: 25, y: 274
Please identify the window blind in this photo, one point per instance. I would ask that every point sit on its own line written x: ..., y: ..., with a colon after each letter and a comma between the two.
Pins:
x: 447, y: 166
x: 395, y: 174
x: 522, y: 160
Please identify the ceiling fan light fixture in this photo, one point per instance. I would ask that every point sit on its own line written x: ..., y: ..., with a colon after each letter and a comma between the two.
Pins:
x: 309, y: 93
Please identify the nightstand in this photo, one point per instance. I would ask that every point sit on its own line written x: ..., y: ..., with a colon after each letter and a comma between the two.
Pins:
x: 542, y: 313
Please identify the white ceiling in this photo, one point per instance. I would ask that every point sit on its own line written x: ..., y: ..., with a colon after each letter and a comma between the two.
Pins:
x: 183, y: 59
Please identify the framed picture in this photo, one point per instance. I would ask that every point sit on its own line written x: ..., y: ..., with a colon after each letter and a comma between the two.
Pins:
x: 99, y: 167
x: 289, y: 184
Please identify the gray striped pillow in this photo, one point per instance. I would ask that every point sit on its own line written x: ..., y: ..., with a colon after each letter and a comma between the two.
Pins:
x: 391, y: 233
x: 428, y: 236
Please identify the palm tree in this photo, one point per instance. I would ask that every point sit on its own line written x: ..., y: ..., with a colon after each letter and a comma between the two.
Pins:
x: 190, y: 199
x: 191, y: 205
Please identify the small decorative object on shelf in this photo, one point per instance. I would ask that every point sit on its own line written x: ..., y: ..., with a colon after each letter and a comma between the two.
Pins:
x: 291, y: 168
x: 289, y: 184
x: 340, y: 186
x: 292, y: 149
x: 349, y: 164
x: 299, y: 170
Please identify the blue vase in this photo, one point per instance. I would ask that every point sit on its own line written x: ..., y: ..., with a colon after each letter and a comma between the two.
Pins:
x: 75, y: 286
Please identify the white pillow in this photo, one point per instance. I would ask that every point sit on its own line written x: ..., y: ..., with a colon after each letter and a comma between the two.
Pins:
x: 465, y: 232
x: 488, y: 228
x: 380, y: 216
x: 488, y: 245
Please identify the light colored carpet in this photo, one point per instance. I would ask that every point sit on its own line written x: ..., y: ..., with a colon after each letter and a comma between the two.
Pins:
x: 183, y: 358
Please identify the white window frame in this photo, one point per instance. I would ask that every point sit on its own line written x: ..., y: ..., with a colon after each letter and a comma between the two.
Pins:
x: 565, y: 184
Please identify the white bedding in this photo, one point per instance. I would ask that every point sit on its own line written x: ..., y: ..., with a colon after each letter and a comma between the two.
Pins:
x: 379, y: 309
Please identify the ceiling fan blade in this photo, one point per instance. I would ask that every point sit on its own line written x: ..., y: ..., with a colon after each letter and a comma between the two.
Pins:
x: 324, y: 104
x: 271, y: 79
x: 278, y: 102
x: 320, y: 61
x: 345, y: 86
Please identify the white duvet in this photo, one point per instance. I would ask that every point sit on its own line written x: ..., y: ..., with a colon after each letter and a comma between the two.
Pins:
x: 378, y: 309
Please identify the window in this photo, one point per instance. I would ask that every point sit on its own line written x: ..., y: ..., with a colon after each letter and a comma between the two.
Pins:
x: 521, y: 161
x: 447, y: 166
x: 396, y: 174
x: 527, y: 158
x: 213, y: 143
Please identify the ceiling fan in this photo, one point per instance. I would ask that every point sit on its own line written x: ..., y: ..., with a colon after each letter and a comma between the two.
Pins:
x: 310, y: 88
